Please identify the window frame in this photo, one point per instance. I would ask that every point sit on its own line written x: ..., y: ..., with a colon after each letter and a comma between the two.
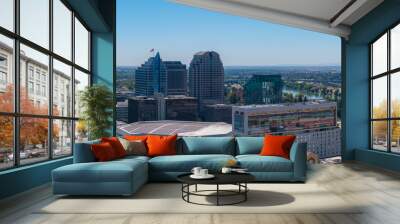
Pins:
x: 16, y: 114
x: 388, y: 74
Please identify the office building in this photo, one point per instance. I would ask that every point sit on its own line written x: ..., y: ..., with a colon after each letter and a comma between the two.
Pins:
x: 206, y: 78
x: 151, y: 77
x: 142, y: 108
x: 218, y: 112
x: 263, y: 89
x: 176, y: 78
x: 182, y: 108
x: 122, y: 111
x: 256, y: 120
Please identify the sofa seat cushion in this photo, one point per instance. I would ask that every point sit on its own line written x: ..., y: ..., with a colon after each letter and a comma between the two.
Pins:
x: 185, y: 163
x: 257, y: 163
x: 112, y: 171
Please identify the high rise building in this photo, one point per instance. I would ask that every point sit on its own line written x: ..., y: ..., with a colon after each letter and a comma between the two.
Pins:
x: 206, y: 78
x: 263, y: 89
x: 176, y: 78
x: 151, y: 77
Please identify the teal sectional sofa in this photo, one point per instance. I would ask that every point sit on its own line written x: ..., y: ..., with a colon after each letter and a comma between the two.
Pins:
x: 125, y: 176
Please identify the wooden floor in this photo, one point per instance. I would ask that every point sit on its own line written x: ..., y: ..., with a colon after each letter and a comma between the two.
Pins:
x: 377, y: 188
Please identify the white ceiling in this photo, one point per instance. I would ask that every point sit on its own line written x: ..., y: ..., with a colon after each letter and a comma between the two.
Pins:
x: 326, y: 16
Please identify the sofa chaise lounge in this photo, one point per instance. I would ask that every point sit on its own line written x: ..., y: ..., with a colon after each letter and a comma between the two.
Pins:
x: 125, y: 176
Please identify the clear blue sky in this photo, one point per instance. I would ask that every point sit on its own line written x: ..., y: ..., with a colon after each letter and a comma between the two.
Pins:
x: 178, y: 31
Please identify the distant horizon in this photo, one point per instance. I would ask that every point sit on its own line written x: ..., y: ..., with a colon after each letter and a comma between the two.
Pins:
x: 179, y: 31
x: 277, y: 65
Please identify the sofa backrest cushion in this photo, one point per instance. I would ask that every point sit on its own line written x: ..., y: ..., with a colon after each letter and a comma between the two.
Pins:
x: 207, y: 145
x: 249, y: 145
x: 83, y: 152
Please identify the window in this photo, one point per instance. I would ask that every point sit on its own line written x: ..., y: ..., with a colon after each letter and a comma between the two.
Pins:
x: 3, y: 78
x: 62, y: 74
x: 6, y: 142
x: 62, y: 137
x: 44, y: 117
x: 385, y: 95
x: 30, y: 87
x: 62, y: 29
x: 6, y: 74
x: 35, y: 21
x: 81, y: 82
x: 81, y: 45
x: 7, y: 14
x: 3, y: 61
x: 31, y: 76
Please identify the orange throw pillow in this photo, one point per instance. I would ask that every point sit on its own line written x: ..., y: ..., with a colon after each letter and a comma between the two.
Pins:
x: 103, y: 152
x: 161, y: 145
x: 136, y: 137
x: 278, y: 145
x: 116, y: 145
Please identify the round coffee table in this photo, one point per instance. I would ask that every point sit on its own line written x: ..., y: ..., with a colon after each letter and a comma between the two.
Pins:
x: 238, y: 179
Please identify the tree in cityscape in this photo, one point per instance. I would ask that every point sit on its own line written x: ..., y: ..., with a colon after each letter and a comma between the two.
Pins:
x: 34, y: 131
x: 380, y: 127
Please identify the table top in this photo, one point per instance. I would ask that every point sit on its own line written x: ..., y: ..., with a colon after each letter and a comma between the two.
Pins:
x: 220, y: 178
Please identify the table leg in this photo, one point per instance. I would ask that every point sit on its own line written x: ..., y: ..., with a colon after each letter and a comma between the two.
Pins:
x: 245, y: 193
x: 217, y: 194
x: 195, y: 188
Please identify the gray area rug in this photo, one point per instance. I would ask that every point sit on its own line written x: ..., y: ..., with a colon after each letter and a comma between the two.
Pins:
x: 166, y: 198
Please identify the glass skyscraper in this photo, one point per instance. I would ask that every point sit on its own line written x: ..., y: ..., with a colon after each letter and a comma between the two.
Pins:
x: 263, y: 89
x: 151, y: 77
x: 206, y: 78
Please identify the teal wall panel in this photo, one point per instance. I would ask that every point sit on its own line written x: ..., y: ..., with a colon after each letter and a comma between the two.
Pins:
x: 103, y: 64
x: 24, y: 178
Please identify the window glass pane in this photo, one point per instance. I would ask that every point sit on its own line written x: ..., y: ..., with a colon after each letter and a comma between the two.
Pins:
x: 395, y: 136
x: 6, y: 142
x: 395, y: 94
x: 81, y: 45
x: 81, y: 131
x: 379, y: 135
x: 7, y: 14
x: 62, y: 29
x: 81, y: 82
x: 395, y: 47
x: 62, y: 89
x: 33, y: 139
x: 34, y: 97
x: 35, y: 21
x: 379, y: 97
x: 62, y: 138
x: 6, y: 75
x: 379, y: 55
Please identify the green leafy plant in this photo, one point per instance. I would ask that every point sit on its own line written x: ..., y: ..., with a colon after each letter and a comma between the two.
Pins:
x: 97, y: 105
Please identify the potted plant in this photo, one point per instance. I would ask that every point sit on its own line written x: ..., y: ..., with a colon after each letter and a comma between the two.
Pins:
x: 96, y: 103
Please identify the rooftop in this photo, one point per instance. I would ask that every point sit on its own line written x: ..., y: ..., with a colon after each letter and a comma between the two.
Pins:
x: 182, y: 128
x: 319, y: 103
